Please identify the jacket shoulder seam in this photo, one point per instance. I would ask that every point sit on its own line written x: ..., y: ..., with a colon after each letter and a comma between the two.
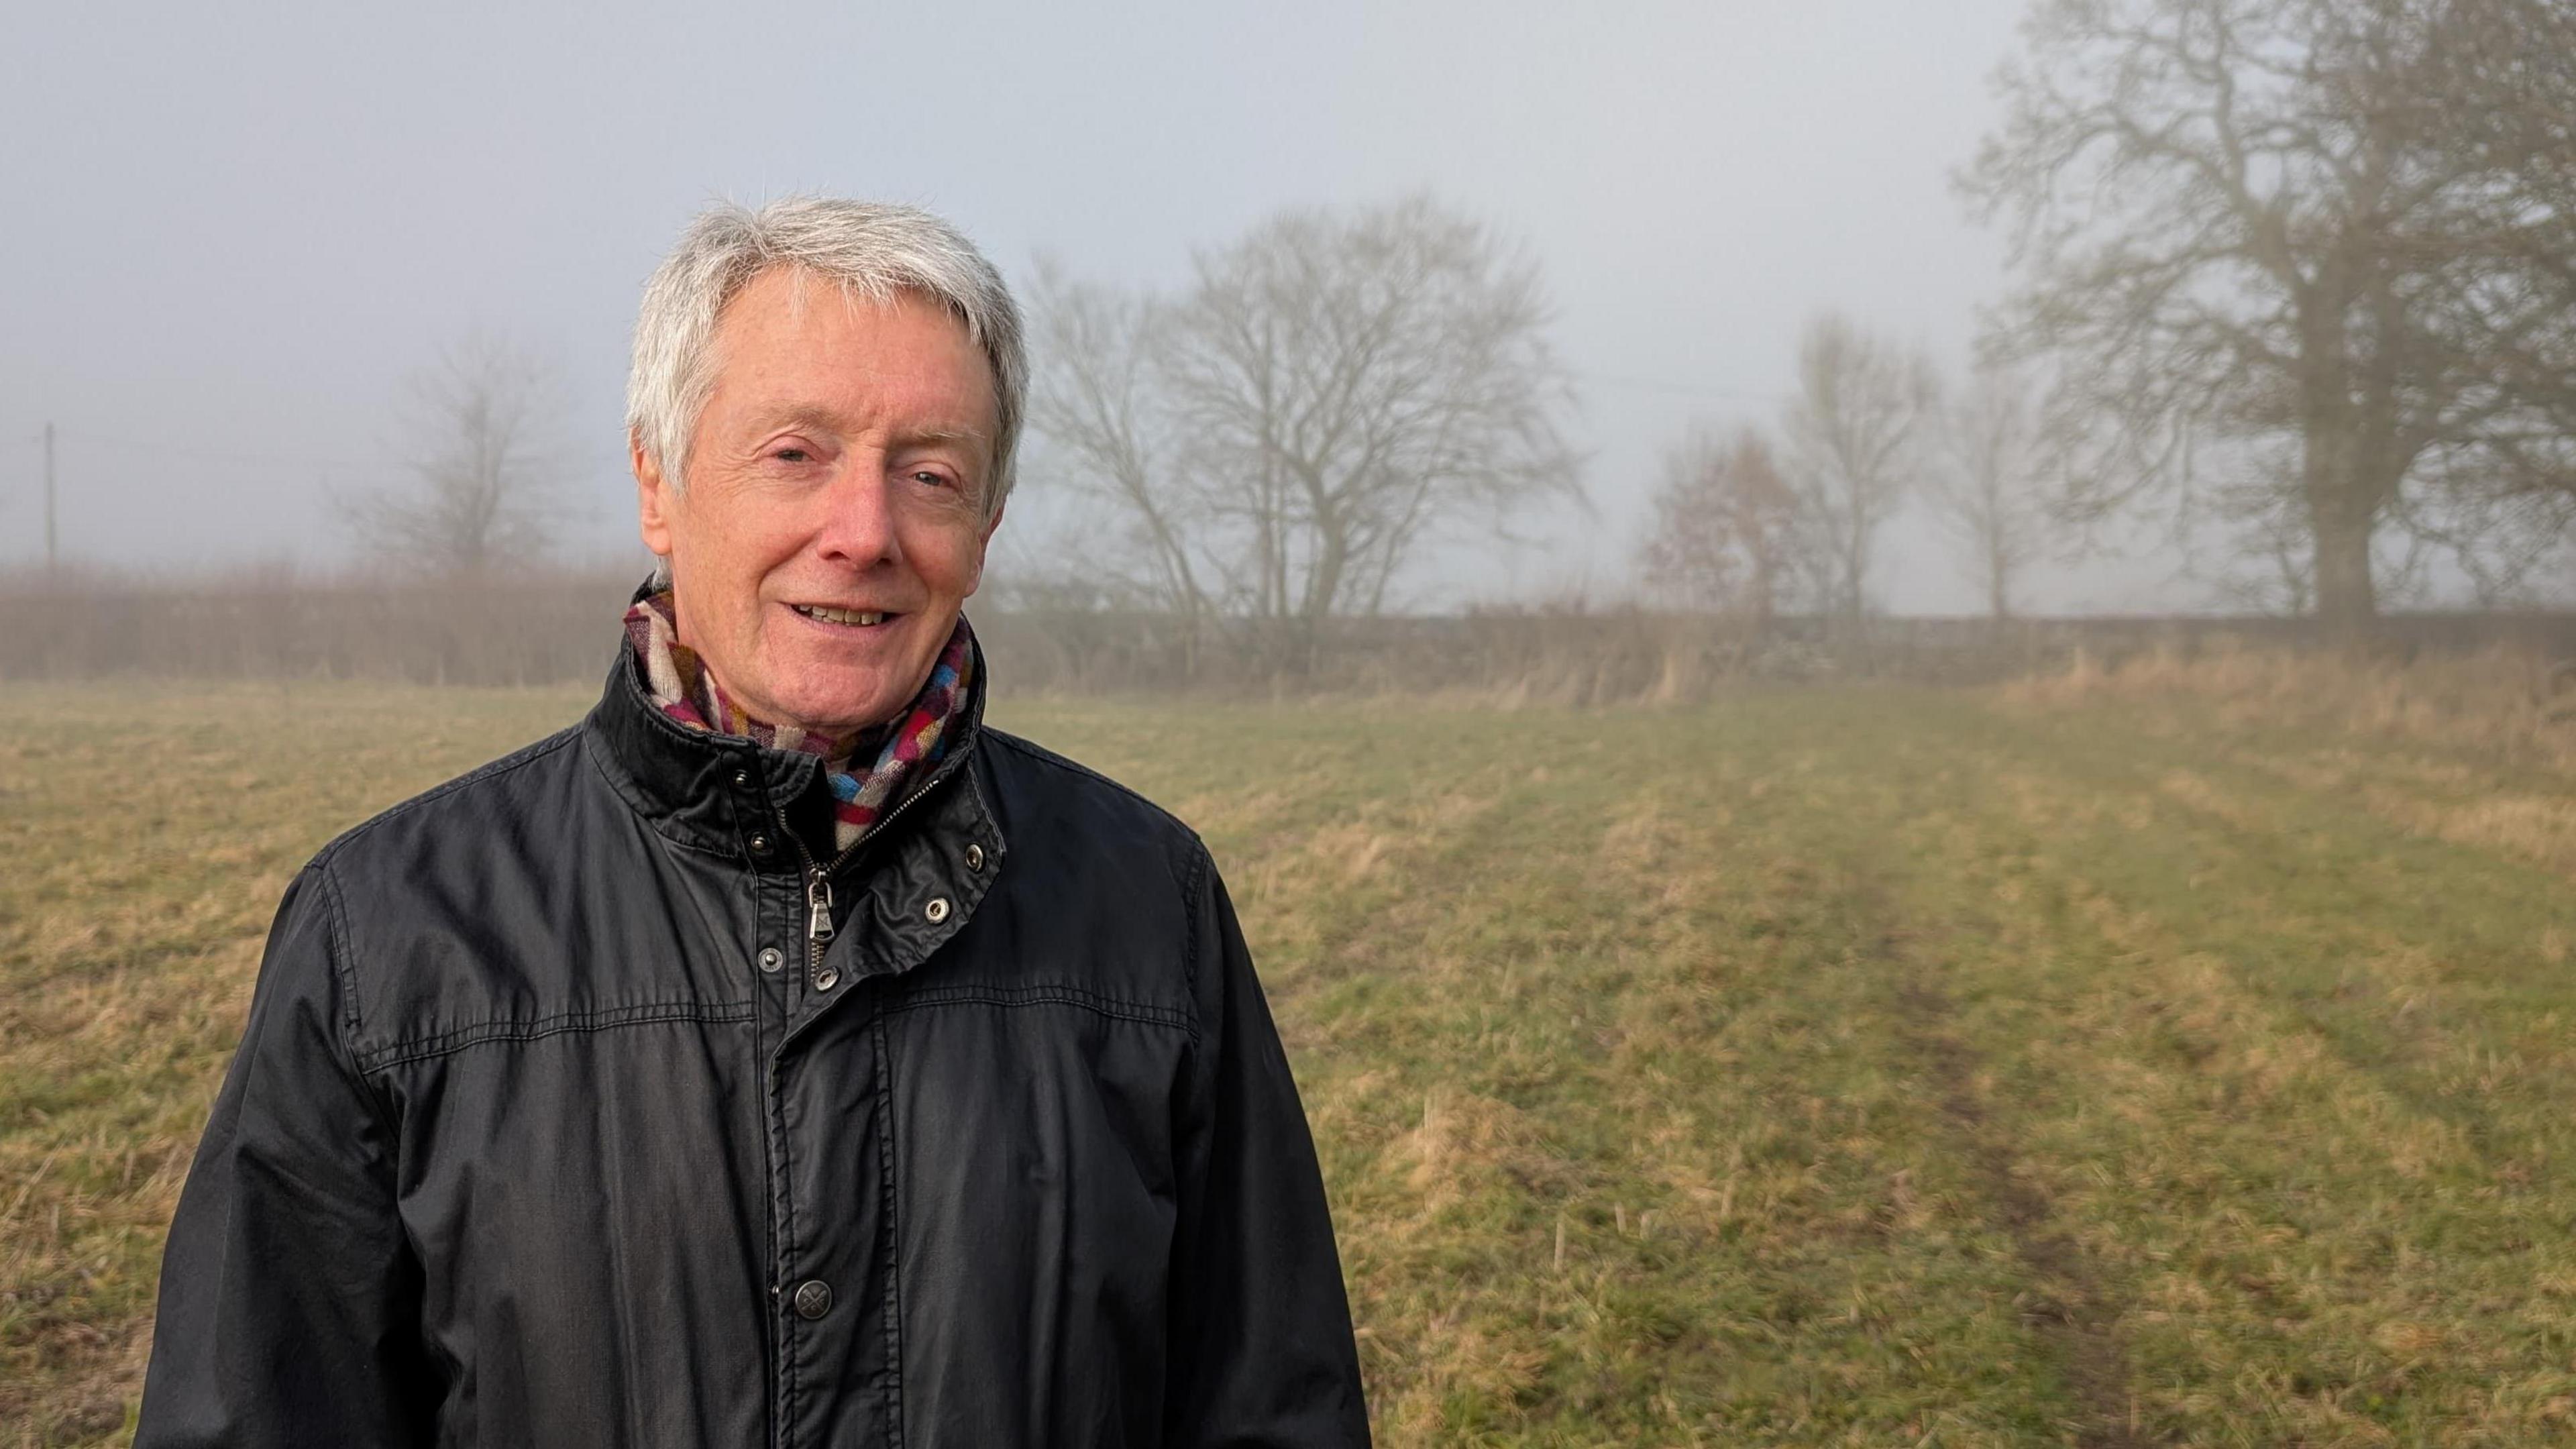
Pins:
x: 335, y: 916
x: 414, y: 1049
x: 1200, y: 864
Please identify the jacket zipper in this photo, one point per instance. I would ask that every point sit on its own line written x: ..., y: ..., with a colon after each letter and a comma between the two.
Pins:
x: 818, y: 878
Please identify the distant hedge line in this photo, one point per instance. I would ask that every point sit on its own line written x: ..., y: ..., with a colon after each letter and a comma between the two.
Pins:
x: 559, y: 630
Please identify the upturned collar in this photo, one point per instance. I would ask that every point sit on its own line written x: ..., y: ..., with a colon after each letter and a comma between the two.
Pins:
x: 728, y: 794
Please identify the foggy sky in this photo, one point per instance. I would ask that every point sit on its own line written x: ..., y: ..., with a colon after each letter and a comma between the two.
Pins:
x: 229, y: 236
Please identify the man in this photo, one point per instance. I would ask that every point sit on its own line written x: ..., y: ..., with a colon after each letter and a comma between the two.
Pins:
x: 780, y: 1056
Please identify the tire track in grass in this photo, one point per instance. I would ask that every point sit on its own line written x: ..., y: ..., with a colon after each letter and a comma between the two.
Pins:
x: 2076, y: 1316
x: 2091, y: 1310
x: 2070, y: 1309
x: 2065, y: 1302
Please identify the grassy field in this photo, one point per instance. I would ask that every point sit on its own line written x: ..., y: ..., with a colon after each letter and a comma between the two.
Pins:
x: 2094, y: 1064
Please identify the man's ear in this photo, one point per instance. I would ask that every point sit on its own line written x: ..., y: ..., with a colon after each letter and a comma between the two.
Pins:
x: 652, y: 500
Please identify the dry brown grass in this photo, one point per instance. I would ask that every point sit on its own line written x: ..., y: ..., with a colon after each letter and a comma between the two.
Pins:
x: 2509, y: 705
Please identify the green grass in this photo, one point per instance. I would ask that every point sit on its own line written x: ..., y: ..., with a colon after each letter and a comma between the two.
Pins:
x: 1845, y: 1066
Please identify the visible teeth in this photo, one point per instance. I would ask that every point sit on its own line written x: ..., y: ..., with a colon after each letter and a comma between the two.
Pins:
x: 839, y: 616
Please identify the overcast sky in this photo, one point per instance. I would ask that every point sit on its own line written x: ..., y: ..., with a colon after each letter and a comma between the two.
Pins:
x: 231, y: 234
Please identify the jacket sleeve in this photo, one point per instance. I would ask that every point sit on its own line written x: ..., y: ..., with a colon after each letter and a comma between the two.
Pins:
x: 1261, y: 1345
x: 289, y: 1305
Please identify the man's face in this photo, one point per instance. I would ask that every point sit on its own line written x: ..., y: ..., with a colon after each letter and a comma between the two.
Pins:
x: 832, y: 523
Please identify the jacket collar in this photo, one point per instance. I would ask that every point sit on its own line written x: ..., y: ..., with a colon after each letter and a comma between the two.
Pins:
x: 726, y: 794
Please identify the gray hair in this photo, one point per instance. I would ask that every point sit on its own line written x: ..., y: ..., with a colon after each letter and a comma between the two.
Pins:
x: 872, y: 252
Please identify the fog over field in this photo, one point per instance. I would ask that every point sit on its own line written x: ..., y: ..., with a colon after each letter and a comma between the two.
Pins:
x: 1888, y: 689
x: 233, y: 234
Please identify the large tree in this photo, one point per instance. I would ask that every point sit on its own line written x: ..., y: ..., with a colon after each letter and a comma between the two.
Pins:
x: 2247, y: 232
x: 1332, y: 389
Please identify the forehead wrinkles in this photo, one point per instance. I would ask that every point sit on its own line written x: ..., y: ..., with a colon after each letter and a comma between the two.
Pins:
x: 800, y: 283
x: 903, y: 389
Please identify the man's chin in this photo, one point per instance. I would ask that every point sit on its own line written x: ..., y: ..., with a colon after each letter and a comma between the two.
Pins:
x: 838, y: 699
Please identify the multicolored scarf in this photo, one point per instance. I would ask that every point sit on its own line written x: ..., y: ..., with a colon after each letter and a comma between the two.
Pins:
x: 900, y: 755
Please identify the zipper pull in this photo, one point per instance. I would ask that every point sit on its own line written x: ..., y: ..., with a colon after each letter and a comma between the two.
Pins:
x: 818, y: 907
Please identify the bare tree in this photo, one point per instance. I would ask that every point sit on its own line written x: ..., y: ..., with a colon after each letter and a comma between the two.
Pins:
x: 1725, y: 525
x: 1332, y: 390
x: 1107, y: 430
x: 1855, y: 432
x: 1992, y: 492
x: 2248, y: 220
x: 479, y: 445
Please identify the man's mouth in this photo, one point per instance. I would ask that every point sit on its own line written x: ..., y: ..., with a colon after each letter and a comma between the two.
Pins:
x: 862, y: 618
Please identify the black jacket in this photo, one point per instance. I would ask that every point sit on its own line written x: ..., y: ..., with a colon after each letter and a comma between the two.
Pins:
x: 557, y: 1123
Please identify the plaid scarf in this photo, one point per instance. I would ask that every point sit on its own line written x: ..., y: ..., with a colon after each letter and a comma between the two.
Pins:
x: 682, y: 688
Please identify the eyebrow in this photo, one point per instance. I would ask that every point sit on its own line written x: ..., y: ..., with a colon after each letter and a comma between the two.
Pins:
x: 806, y: 415
x: 799, y: 416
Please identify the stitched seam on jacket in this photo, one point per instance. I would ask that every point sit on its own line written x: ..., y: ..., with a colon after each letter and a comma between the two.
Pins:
x: 404, y: 1052
x: 1199, y: 864
x: 335, y: 915
x: 1048, y: 996
x: 893, y: 1238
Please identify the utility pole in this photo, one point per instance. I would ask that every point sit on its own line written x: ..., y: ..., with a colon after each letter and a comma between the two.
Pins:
x: 53, y: 556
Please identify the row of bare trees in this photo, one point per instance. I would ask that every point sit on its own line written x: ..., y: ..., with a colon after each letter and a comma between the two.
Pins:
x: 2301, y: 270
x: 1751, y: 523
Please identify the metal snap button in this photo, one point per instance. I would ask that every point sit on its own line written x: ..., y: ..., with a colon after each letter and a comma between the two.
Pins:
x: 974, y: 857
x: 826, y: 979
x: 742, y: 779
x: 813, y: 1298
x: 760, y: 845
x: 771, y: 958
x: 937, y: 910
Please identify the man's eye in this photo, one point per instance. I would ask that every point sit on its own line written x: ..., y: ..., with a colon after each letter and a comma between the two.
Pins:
x: 793, y: 455
x: 935, y: 480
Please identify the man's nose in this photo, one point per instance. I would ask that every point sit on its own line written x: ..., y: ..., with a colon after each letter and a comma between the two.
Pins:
x: 857, y: 527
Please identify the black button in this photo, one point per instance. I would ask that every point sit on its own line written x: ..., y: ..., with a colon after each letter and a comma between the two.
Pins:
x: 760, y: 845
x: 813, y: 1298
